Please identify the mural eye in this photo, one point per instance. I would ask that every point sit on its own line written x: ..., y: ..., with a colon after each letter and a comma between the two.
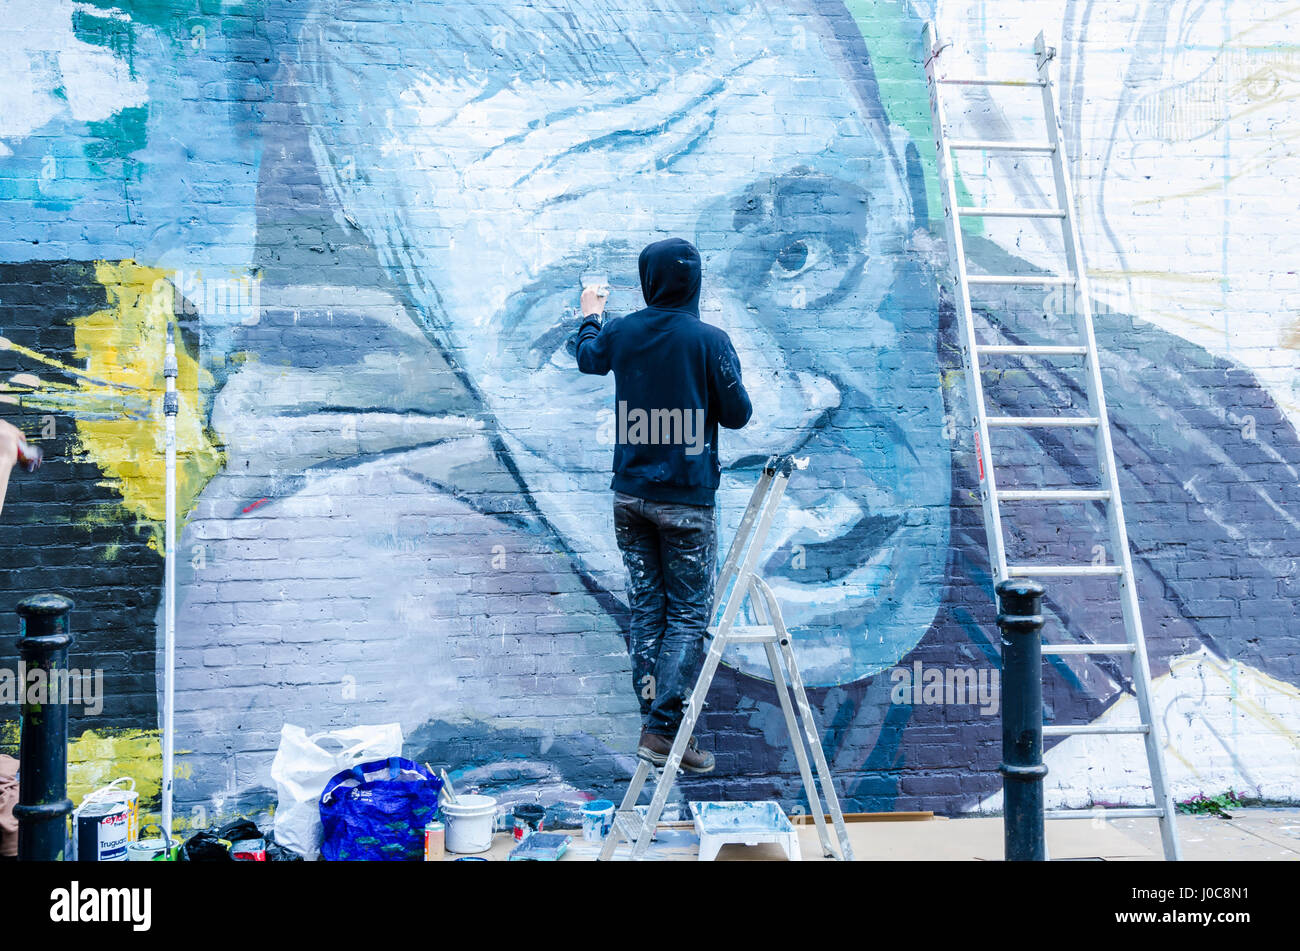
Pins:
x: 800, y: 257
x: 792, y: 257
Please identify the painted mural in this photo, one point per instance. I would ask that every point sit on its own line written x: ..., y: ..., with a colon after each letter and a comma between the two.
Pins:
x: 368, y: 218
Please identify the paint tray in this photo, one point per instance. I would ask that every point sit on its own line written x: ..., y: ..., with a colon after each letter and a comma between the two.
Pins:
x: 743, y: 823
x: 541, y: 847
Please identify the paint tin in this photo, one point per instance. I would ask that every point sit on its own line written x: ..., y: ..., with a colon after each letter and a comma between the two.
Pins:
x: 597, y: 819
x: 101, y: 832
x: 529, y: 818
x: 146, y: 850
x: 249, y: 850
x: 116, y: 792
x: 435, y: 842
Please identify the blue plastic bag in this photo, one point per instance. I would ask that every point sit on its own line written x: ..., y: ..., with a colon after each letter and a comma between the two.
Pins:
x: 377, y: 811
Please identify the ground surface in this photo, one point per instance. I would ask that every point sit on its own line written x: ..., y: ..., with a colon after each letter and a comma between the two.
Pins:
x: 1250, y: 835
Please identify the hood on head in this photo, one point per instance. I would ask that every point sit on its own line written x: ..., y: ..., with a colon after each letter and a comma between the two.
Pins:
x: 670, y: 275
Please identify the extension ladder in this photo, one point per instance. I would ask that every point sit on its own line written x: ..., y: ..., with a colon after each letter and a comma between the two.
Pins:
x: 1085, y: 346
x: 636, y: 825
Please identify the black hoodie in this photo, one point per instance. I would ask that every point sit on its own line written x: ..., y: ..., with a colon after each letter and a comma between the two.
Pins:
x: 676, y: 379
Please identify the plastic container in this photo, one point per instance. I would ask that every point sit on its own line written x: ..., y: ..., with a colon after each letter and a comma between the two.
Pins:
x: 597, y: 819
x: 435, y: 841
x: 469, y: 823
x: 529, y: 818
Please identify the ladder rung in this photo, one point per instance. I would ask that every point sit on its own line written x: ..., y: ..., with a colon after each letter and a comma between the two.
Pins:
x: 1032, y: 351
x: 1031, y: 422
x: 985, y: 81
x: 1105, y: 812
x: 1053, y: 495
x: 974, y: 211
x: 748, y: 634
x: 1046, y: 280
x: 1088, y: 649
x: 1001, y: 145
x: 1095, y: 729
x: 1062, y: 571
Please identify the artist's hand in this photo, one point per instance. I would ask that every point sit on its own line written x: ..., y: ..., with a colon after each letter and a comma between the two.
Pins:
x: 11, y: 437
x: 593, y: 300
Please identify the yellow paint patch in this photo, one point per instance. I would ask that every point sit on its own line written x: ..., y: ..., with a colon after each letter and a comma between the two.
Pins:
x: 95, y: 759
x: 123, y: 346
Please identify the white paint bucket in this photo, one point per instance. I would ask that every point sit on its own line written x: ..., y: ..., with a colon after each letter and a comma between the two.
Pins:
x: 469, y: 823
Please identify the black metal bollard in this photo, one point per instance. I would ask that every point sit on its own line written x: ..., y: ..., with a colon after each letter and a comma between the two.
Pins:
x: 1022, y: 769
x: 43, y: 803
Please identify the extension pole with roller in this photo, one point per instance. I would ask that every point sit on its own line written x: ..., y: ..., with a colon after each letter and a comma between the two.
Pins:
x: 170, y: 403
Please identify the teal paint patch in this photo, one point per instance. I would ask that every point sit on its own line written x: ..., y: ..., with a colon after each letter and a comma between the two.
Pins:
x: 118, y: 137
x: 111, y: 31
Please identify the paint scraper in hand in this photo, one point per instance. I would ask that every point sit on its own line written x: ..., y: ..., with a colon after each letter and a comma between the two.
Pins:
x: 597, y: 281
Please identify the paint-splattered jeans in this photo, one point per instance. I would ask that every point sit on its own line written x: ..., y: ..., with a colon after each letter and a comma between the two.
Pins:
x: 670, y: 551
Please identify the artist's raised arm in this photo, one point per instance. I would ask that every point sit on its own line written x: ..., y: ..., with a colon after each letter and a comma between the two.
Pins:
x: 593, y: 341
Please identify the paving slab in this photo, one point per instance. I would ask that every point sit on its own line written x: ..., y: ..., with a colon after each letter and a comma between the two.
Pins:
x: 1252, y: 835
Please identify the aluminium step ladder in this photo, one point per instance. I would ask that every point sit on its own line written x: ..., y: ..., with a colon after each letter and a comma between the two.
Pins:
x: 636, y: 825
x: 1084, y: 346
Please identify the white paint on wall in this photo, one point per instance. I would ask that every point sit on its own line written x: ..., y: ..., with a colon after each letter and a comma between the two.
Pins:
x: 1227, y: 726
x: 46, y: 71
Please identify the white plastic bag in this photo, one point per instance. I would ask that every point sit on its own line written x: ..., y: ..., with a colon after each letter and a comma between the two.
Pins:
x: 304, y: 764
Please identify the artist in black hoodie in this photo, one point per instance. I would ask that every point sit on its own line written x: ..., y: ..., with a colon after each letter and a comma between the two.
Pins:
x: 676, y: 379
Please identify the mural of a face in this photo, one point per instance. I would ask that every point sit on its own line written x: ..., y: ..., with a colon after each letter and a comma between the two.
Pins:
x: 490, y: 187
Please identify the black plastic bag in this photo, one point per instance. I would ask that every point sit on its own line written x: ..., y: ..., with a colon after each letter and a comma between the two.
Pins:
x: 239, y: 830
x: 278, y: 853
x: 205, y: 847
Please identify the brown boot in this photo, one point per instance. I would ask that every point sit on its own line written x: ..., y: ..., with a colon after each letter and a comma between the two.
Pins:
x: 655, y: 747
